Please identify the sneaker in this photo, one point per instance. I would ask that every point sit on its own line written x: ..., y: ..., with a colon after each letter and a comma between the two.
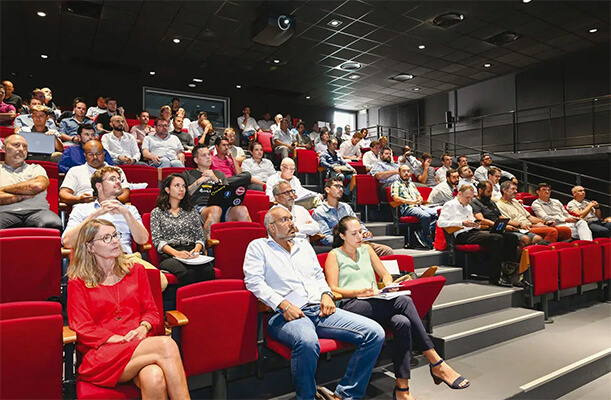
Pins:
x: 420, y: 238
x: 503, y: 282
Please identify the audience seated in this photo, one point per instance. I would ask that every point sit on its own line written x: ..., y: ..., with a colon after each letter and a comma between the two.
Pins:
x: 7, y: 111
x: 259, y: 167
x: 122, y: 147
x: 350, y: 149
x: 283, y: 139
x: 163, y: 150
x: 425, y: 173
x: 404, y: 191
x: 321, y: 146
x: 103, y: 120
x: 202, y: 129
x: 351, y: 270
x: 185, y: 121
x: 446, y: 190
x: 386, y: 171
x: 302, y: 139
x: 315, y: 133
x: 75, y: 155
x: 485, y: 210
x: 266, y: 123
x: 40, y: 118
x: 460, y: 161
x: 185, y: 138
x: 372, y: 156
x: 365, y: 141
x: 552, y: 210
x: 458, y: 213
x: 100, y: 107
x: 285, y: 197
x: 589, y: 211
x: 225, y: 162
x: 68, y: 127
x: 177, y: 233
x: 106, y: 184
x: 512, y: 209
x: 76, y: 187
x: 347, y: 134
x: 409, y: 159
x: 247, y: 124
x: 481, y: 173
x: 446, y: 164
x: 200, y: 182
x: 23, y: 189
x: 276, y: 126
x: 116, y: 338
x: 174, y: 107
x: 305, y: 197
x: 336, y: 165
x: 236, y: 152
x: 466, y: 176
x: 494, y: 176
x: 332, y: 210
x: 270, y: 270
x: 26, y: 121
x: 143, y: 129
x: 165, y: 112
x: 10, y: 97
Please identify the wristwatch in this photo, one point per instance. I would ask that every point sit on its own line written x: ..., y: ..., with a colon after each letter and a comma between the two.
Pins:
x: 330, y: 293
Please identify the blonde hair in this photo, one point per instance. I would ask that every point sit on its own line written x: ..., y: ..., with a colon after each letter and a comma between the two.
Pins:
x: 83, y: 264
x: 164, y: 108
x: 227, y: 130
x: 39, y: 108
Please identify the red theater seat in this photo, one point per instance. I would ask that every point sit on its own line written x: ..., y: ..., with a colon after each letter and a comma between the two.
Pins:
x: 306, y: 162
x: 171, y: 170
x: 233, y: 238
x: 50, y: 167
x: 255, y: 202
x: 425, y: 192
x: 144, y: 199
x: 592, y: 263
x: 141, y: 174
x: 544, y: 269
x: 366, y: 192
x: 569, y: 264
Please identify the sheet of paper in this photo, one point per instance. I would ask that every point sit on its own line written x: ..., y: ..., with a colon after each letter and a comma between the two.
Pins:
x: 296, y: 299
x: 388, y: 296
x: 392, y: 266
x: 195, y: 261
x: 387, y: 288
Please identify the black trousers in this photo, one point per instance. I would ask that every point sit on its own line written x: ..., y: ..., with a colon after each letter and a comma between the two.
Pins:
x: 186, y: 274
x: 495, y: 251
x: 400, y: 316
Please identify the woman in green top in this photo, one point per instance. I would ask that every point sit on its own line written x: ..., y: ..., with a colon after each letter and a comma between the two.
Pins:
x: 350, y: 270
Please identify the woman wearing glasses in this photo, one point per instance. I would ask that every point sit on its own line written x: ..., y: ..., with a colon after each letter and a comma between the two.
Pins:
x: 111, y: 308
x: 177, y: 232
x: 351, y: 270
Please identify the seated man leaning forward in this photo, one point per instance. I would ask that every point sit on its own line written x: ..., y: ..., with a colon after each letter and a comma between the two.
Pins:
x: 106, y: 184
x: 163, y: 150
x: 76, y: 187
x: 412, y: 205
x: 590, y: 212
x: 284, y: 273
x: 200, y: 182
x: 23, y: 189
x: 75, y: 155
x: 305, y: 197
x: 285, y: 197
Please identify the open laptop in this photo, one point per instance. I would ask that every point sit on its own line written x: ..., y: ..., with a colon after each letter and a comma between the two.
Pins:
x: 226, y: 196
x: 500, y: 225
x: 39, y: 143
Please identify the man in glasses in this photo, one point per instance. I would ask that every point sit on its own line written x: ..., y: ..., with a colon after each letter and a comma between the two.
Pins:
x: 76, y: 187
x: 75, y: 155
x: 106, y: 184
x: 306, y: 198
x: 284, y: 273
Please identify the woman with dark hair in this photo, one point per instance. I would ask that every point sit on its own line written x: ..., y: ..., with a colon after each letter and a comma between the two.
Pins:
x: 113, y: 312
x: 177, y: 232
x: 351, y: 270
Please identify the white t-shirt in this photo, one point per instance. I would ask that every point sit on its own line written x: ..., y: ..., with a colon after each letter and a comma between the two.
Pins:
x: 79, y: 179
x: 168, y: 147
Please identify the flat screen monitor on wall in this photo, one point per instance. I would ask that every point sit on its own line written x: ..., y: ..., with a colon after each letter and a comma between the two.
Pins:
x: 216, y: 107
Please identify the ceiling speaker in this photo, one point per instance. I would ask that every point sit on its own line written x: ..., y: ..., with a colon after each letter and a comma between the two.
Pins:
x: 273, y: 30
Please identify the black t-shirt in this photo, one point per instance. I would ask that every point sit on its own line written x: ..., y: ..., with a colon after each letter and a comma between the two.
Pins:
x: 15, y: 101
x: 201, y: 195
x: 104, y: 119
x: 488, y: 209
x: 185, y: 138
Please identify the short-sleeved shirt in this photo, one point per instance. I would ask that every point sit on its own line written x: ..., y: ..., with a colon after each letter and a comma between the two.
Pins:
x: 169, y: 147
x: 127, y: 146
x: 6, y: 108
x: 265, y: 125
x: 10, y: 176
x: 79, y: 179
x: 104, y: 119
x: 575, y: 206
x: 347, y: 149
x: 261, y: 171
x: 185, y: 138
x: 25, y: 120
x: 406, y: 191
x: 488, y: 209
x: 284, y: 137
x: 14, y: 100
x: 75, y: 155
x: 200, y: 196
x: 69, y: 126
x: 140, y: 133
x: 382, y: 166
x: 226, y: 166
x: 430, y: 178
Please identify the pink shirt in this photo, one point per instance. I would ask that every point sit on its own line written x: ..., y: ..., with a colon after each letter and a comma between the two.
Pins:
x: 225, y: 166
x: 6, y: 108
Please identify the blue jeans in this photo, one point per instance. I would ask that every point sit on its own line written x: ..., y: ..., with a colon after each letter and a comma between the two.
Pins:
x: 166, y: 163
x: 302, y: 334
x: 427, y: 216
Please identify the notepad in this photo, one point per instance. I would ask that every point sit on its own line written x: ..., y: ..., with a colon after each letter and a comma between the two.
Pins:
x: 388, y: 296
x: 196, y: 261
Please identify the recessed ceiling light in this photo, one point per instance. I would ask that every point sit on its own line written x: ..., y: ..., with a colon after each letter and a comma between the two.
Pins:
x: 191, y: 84
x: 503, y: 38
x: 350, y: 66
x: 41, y: 14
x: 238, y: 86
x: 334, y: 23
x: 526, y: 1
x: 422, y: 47
x: 176, y: 40
x: 416, y: 89
x: 212, y: 106
x: 448, y: 20
x: 593, y: 30
x: 276, y: 61
x: 44, y: 56
x: 402, y: 77
x: 487, y: 65
x: 354, y: 76
x: 152, y: 72
x: 198, y: 80
x: 308, y: 97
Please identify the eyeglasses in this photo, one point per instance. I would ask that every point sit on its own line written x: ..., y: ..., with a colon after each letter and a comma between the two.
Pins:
x: 109, y: 238
x: 98, y: 154
x: 112, y: 179
x: 291, y: 191
x: 338, y: 186
x: 283, y: 220
x: 289, y: 168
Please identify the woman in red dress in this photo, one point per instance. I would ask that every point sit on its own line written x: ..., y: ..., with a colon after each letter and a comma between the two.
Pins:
x: 112, y: 310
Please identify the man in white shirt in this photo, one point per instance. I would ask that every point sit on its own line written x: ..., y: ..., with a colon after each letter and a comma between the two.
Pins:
x: 347, y: 134
x: 265, y: 124
x: 459, y: 214
x: 284, y: 273
x: 283, y: 139
x: 549, y: 209
x: 350, y: 149
x: 409, y: 159
x: 247, y: 124
x: 163, y: 150
x: 123, y: 148
x: 494, y: 176
x: 446, y: 190
x: 285, y: 196
x: 481, y: 173
x: 590, y: 212
x: 446, y: 164
x: 372, y: 156
x: 305, y: 197
x: 76, y: 187
x: 260, y: 168
x: 100, y: 108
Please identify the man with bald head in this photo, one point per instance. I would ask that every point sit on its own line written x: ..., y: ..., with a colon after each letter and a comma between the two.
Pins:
x: 283, y: 272
x: 123, y: 148
x: 285, y: 196
x: 10, y: 97
x: 23, y: 189
x: 589, y: 211
x: 305, y: 197
x: 76, y: 187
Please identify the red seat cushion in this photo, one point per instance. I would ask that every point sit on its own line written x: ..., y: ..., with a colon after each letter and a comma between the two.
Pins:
x: 409, y: 220
x: 469, y: 248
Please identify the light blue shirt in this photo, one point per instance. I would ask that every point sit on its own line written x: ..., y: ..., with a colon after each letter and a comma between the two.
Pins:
x: 271, y: 272
x: 26, y: 120
x: 381, y: 166
x: 327, y: 217
x: 69, y: 126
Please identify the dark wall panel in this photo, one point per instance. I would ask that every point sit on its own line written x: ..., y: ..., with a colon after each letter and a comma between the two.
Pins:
x: 489, y: 97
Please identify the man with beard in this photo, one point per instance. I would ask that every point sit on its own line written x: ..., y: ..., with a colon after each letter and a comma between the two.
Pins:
x: 466, y: 176
x: 163, y: 150
x: 445, y: 191
x: 123, y: 147
x: 385, y: 171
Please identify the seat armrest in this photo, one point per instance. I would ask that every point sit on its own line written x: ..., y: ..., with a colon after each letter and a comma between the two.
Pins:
x: 395, y: 204
x: 316, y: 238
x: 451, y: 229
x: 69, y: 336
x: 144, y: 248
x: 176, y: 318
x: 337, y: 296
x: 211, y: 243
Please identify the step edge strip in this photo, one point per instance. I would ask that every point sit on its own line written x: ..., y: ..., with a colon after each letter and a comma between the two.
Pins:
x: 564, y: 370
x: 491, y: 326
x: 472, y: 299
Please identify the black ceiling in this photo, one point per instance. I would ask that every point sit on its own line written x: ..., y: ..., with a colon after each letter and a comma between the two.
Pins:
x: 383, y: 36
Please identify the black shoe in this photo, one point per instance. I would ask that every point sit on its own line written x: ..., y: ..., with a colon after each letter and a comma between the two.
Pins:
x: 502, y: 282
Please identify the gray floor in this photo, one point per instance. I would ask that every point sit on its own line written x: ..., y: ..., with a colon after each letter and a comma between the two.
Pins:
x: 599, y: 389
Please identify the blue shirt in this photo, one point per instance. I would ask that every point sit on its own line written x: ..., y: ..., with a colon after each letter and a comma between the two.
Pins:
x: 381, y: 166
x: 26, y: 120
x: 327, y: 217
x: 69, y: 126
x: 75, y: 155
x: 329, y: 160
